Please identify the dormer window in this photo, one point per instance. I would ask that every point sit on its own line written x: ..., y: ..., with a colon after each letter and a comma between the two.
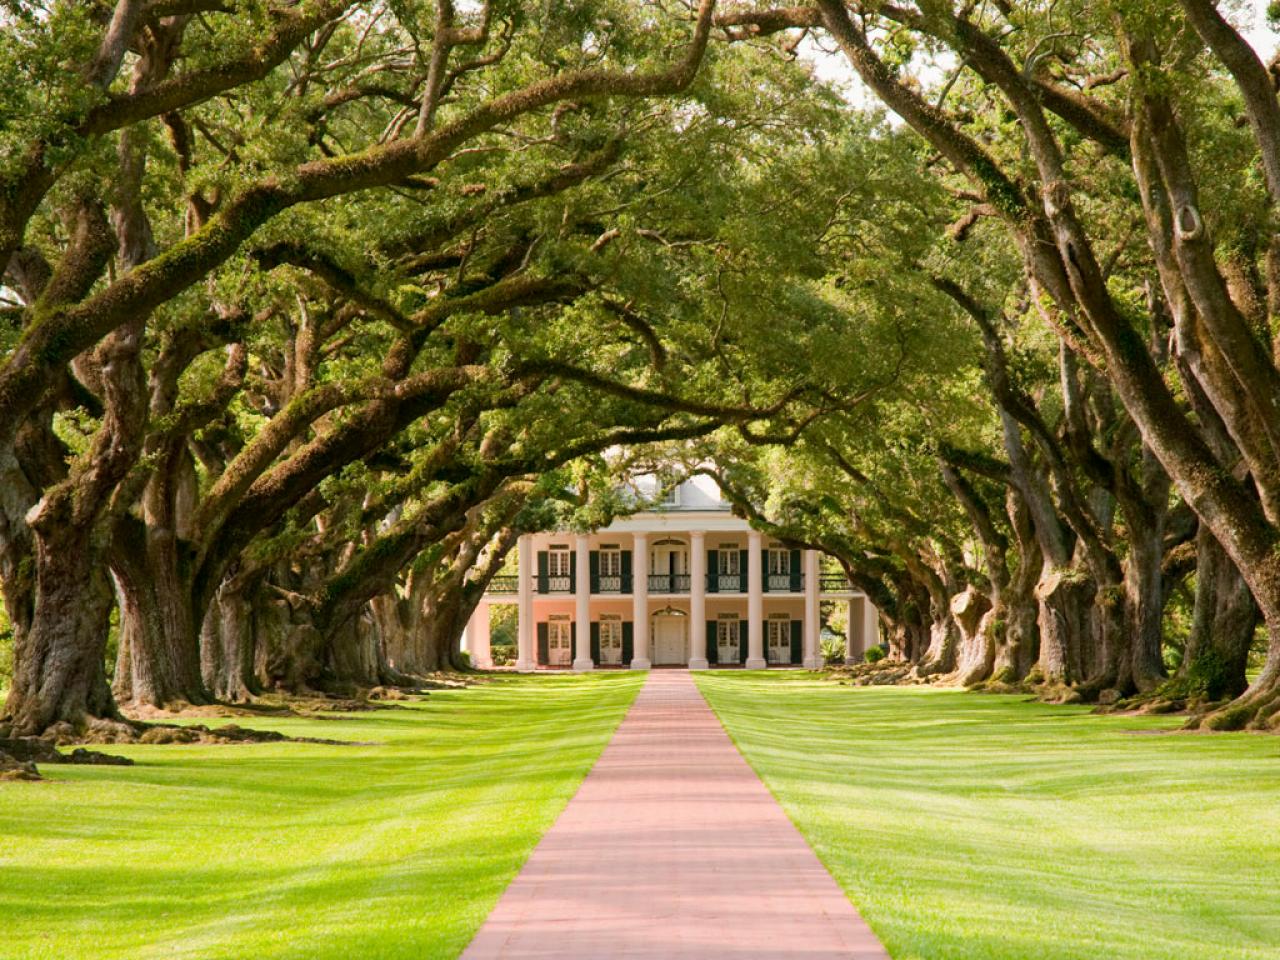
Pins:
x: 671, y: 496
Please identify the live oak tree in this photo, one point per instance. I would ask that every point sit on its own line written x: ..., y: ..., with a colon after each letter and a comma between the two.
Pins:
x: 1120, y: 121
x: 277, y: 259
x: 108, y: 232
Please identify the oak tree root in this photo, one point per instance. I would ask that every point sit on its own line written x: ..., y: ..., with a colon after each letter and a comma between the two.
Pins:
x: 19, y: 756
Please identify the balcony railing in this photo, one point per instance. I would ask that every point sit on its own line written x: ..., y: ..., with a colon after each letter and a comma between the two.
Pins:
x: 773, y: 583
x: 727, y: 583
x: 677, y: 583
x: 669, y: 583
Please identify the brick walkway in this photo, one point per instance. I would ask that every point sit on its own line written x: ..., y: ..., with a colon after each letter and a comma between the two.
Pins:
x: 673, y: 848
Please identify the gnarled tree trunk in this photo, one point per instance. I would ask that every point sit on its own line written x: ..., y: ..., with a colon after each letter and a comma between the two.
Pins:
x: 159, y: 663
x: 973, y: 615
x: 1065, y: 596
x: 227, y: 644
x: 1216, y: 654
x: 59, y: 659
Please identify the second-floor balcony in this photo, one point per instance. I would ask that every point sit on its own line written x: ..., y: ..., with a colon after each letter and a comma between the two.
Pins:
x: 667, y: 583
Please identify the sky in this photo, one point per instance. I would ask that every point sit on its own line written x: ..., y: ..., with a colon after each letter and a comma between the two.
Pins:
x: 1249, y: 16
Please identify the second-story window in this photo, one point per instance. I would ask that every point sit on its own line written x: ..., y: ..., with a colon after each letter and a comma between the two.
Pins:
x: 730, y: 572
x: 609, y: 571
x: 779, y: 563
x: 779, y: 572
x: 558, y: 562
x: 610, y: 562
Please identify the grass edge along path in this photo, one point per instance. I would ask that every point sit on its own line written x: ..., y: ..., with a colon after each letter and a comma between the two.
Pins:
x: 292, y: 850
x: 977, y: 827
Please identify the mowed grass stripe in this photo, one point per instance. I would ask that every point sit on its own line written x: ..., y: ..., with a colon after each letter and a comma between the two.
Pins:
x: 399, y: 849
x: 974, y: 827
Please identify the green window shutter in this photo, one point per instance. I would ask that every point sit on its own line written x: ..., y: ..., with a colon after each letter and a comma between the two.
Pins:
x: 626, y: 571
x: 764, y: 569
x: 593, y: 558
x: 712, y: 653
x: 743, y: 643
x: 743, y: 570
x: 544, y: 651
x: 628, y: 642
x: 796, y: 641
x: 595, y: 642
x: 542, y: 571
x: 795, y: 571
x: 573, y: 570
x: 713, y: 572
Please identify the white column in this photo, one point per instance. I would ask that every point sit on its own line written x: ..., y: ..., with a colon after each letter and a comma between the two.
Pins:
x: 582, y: 607
x: 854, y: 645
x: 640, y: 602
x: 755, y: 604
x: 526, y: 655
x: 698, y: 601
x: 478, y: 634
x: 812, y: 614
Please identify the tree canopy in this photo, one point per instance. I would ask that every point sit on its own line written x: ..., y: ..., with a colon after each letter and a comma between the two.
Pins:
x: 310, y: 310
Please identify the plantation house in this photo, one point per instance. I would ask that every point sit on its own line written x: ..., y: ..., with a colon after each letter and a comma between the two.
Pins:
x: 683, y: 583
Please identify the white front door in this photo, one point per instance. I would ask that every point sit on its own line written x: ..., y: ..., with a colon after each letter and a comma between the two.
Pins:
x: 669, y: 640
x: 559, y: 643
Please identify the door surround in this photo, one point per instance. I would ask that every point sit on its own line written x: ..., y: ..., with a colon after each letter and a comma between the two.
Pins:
x: 669, y: 633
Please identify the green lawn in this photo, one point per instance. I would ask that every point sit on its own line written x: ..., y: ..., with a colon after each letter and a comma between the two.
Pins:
x: 972, y: 826
x: 302, y: 850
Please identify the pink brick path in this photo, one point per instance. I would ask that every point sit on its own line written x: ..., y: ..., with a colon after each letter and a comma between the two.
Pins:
x: 673, y: 848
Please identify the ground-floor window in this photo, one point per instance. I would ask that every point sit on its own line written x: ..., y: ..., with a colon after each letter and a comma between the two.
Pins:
x: 610, y: 639
x: 728, y: 641
x: 559, y: 642
x: 778, y: 637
